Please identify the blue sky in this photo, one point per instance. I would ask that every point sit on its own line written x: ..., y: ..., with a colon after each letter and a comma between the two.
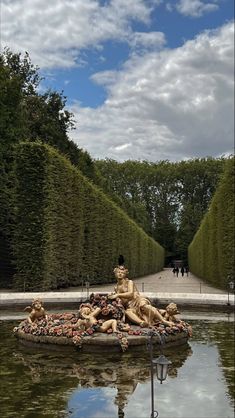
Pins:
x: 176, y: 27
x: 145, y: 79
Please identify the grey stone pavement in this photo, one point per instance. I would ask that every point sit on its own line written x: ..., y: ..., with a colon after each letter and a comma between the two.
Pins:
x: 165, y: 281
x: 162, y: 287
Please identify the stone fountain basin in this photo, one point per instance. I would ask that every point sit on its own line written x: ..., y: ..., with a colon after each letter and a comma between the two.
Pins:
x: 100, y: 342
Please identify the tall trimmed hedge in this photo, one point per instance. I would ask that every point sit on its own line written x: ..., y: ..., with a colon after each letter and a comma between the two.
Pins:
x: 211, y: 253
x: 66, y: 230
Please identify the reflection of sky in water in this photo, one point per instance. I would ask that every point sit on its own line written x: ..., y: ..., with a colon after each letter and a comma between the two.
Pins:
x: 85, y: 386
x: 86, y: 403
x: 198, y: 391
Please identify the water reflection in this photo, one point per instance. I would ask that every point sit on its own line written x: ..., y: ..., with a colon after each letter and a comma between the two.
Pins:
x: 38, y: 383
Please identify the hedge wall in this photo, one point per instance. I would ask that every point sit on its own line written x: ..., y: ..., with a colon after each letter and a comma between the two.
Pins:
x: 66, y: 230
x: 6, y: 215
x: 211, y: 253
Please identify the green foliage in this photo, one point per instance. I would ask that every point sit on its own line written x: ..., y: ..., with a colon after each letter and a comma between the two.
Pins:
x: 29, y: 233
x: 10, y: 105
x: 66, y: 230
x: 28, y: 115
x: 211, y: 253
x: 6, y: 215
x: 168, y: 200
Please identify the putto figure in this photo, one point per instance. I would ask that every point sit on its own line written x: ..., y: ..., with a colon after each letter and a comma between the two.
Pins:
x: 170, y: 312
x: 36, y: 311
x: 88, y: 318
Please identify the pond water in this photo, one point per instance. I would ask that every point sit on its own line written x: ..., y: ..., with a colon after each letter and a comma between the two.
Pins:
x: 39, y: 383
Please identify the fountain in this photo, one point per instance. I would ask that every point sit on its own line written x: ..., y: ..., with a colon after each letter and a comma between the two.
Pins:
x: 123, y: 319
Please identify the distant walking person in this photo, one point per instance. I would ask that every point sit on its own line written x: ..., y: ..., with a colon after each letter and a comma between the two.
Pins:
x: 173, y: 271
x: 177, y: 271
x: 186, y: 270
x: 182, y: 271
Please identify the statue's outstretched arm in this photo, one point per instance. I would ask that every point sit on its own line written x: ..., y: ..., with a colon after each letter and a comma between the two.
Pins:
x: 28, y: 309
x: 96, y: 312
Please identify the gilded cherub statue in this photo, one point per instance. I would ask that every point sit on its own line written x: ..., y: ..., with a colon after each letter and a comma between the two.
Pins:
x: 88, y: 318
x: 170, y: 312
x: 36, y: 311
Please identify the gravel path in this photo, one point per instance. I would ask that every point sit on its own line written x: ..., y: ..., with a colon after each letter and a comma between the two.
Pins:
x: 163, y: 281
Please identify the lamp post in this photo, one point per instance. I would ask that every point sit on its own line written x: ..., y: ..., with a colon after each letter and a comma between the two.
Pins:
x: 87, y: 284
x: 161, y: 363
x: 230, y: 287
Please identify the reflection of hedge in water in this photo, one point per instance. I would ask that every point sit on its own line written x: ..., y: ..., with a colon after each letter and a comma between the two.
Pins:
x: 123, y: 373
x: 93, y: 371
x: 226, y: 352
x: 51, y: 377
x: 211, y: 253
x: 220, y: 334
x: 67, y: 230
x: 28, y: 390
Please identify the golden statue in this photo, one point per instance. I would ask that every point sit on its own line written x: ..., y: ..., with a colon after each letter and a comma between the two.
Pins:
x: 88, y: 318
x: 138, y: 309
x: 169, y: 314
x: 117, y: 313
x: 36, y: 311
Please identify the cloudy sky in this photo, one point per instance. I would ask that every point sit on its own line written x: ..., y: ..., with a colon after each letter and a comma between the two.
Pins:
x: 145, y: 79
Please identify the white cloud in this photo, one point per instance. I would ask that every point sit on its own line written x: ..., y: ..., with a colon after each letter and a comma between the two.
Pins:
x: 122, y: 147
x: 172, y: 104
x: 55, y: 32
x: 105, y: 78
x: 195, y: 8
x: 163, y: 103
x: 147, y: 41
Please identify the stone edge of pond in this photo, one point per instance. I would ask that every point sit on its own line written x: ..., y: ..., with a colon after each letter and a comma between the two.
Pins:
x: 99, y: 342
x: 73, y: 299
